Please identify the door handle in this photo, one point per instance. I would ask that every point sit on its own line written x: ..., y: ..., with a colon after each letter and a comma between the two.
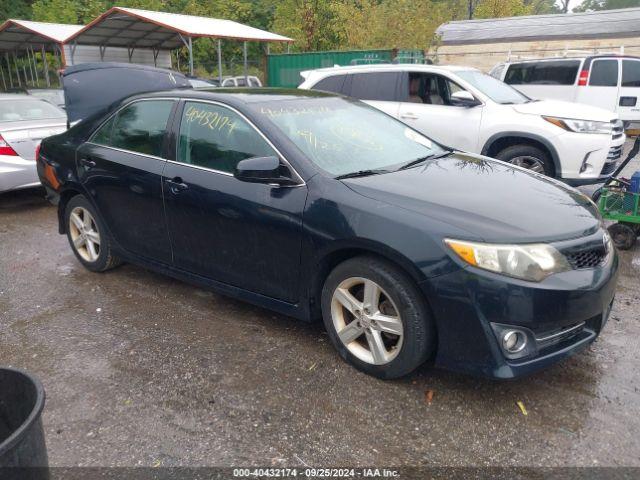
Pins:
x: 87, y: 162
x: 176, y: 185
x: 409, y: 116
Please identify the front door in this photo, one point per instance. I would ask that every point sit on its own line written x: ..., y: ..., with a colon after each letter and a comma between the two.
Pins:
x: 121, y: 168
x: 427, y: 107
x: 243, y: 234
x: 629, y: 94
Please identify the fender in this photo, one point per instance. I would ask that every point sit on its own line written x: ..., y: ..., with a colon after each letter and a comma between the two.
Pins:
x: 532, y: 136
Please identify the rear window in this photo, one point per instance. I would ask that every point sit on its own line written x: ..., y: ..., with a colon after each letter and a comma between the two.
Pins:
x: 330, y: 84
x: 27, y: 109
x: 375, y: 86
x: 631, y: 73
x: 543, y: 73
x: 604, y: 73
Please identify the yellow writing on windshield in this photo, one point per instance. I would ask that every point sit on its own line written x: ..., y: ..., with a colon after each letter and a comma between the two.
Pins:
x: 207, y: 118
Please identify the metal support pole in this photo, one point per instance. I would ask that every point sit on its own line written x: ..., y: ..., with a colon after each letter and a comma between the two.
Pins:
x: 4, y: 83
x: 73, y: 52
x: 45, y: 66
x: 190, y: 47
x: 102, y: 49
x: 15, y: 62
x: 6, y: 57
x: 220, y: 61
x: 288, y: 47
x: 244, y: 59
x: 26, y: 51
x: 35, y: 65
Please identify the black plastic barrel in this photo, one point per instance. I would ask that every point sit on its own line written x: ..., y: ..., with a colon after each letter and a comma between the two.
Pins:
x: 23, y: 452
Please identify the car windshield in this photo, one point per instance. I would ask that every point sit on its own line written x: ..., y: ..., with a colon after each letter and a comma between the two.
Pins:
x: 342, y: 136
x: 28, y: 109
x: 496, y: 90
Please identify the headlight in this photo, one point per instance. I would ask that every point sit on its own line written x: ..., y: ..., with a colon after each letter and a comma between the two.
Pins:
x: 581, y: 126
x: 533, y: 262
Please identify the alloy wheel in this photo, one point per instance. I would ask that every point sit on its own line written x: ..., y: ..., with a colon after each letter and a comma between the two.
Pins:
x: 530, y: 163
x: 367, y: 321
x: 84, y: 234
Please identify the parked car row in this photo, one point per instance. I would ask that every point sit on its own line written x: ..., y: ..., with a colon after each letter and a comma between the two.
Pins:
x: 611, y: 82
x: 317, y: 205
x: 468, y: 110
x: 24, y: 121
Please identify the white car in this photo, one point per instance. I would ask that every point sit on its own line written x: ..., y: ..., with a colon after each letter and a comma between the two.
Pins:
x: 605, y: 81
x: 24, y: 122
x: 468, y: 110
x: 241, y: 81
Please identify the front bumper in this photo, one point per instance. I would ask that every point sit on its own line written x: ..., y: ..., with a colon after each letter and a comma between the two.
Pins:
x: 466, y: 302
x: 587, y: 159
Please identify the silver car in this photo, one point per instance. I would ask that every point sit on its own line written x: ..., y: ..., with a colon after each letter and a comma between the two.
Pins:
x: 24, y: 122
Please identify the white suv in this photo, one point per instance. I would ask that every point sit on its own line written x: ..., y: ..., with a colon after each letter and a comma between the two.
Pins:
x: 467, y: 110
x: 606, y: 81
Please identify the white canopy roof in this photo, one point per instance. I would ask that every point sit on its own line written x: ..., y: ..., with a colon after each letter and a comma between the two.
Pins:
x: 19, y: 34
x: 130, y: 27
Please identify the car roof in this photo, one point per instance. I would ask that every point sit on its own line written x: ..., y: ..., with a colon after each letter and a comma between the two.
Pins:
x: 392, y: 67
x: 574, y: 57
x: 237, y: 95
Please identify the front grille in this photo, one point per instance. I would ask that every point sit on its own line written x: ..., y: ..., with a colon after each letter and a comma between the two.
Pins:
x: 557, y: 335
x: 609, y: 168
x: 617, y: 128
x: 590, y: 258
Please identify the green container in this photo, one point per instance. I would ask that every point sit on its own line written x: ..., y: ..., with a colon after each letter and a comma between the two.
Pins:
x: 283, y: 70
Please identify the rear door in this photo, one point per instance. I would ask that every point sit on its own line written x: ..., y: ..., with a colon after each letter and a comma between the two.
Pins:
x: 121, y: 167
x: 378, y: 89
x: 629, y: 93
x: 427, y: 108
x: 602, y: 88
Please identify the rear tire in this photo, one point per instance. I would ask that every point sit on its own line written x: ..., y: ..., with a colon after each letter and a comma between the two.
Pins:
x: 386, y: 330
x: 88, y: 236
x: 528, y: 157
x: 624, y: 237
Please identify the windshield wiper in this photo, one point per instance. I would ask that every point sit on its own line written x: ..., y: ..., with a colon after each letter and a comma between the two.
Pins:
x: 418, y: 161
x: 361, y: 173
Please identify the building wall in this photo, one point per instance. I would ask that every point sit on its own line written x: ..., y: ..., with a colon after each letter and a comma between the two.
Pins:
x: 485, y: 55
x: 90, y: 53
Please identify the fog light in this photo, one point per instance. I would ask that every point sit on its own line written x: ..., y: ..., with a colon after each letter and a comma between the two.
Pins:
x: 513, y: 341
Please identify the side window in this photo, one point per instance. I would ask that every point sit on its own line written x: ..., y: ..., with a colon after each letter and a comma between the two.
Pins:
x: 604, y: 73
x: 330, y: 84
x: 141, y: 126
x: 102, y: 136
x: 375, y: 86
x: 559, y: 72
x: 631, y: 73
x: 216, y: 137
x: 430, y: 89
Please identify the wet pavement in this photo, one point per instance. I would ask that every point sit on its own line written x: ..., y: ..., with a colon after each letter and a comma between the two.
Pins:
x: 141, y: 369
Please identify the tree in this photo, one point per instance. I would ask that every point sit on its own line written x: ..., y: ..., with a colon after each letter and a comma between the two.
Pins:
x: 564, y: 6
x: 312, y: 23
x: 500, y: 8
x: 591, y: 5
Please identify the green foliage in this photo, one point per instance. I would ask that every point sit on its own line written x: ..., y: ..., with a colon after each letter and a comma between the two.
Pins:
x: 590, y: 5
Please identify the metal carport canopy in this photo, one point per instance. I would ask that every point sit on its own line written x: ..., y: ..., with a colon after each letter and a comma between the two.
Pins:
x: 134, y: 28
x: 29, y: 37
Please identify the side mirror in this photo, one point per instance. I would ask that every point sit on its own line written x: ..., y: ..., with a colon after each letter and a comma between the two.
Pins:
x: 262, y: 170
x: 462, y: 98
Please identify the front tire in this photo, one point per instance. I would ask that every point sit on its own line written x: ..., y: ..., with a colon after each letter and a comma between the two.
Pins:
x: 87, y: 236
x: 377, y: 318
x: 528, y: 157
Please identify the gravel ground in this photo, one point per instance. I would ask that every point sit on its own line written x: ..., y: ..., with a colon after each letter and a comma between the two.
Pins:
x: 141, y: 369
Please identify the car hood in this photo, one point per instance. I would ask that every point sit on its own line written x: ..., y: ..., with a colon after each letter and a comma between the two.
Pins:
x: 558, y: 108
x: 492, y: 200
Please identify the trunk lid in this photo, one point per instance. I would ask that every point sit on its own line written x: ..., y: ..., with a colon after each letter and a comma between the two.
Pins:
x: 24, y: 137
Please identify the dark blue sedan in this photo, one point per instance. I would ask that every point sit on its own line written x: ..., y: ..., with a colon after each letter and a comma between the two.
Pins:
x: 318, y: 206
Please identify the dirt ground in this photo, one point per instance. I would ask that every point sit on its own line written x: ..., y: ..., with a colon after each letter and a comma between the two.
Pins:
x: 140, y: 369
